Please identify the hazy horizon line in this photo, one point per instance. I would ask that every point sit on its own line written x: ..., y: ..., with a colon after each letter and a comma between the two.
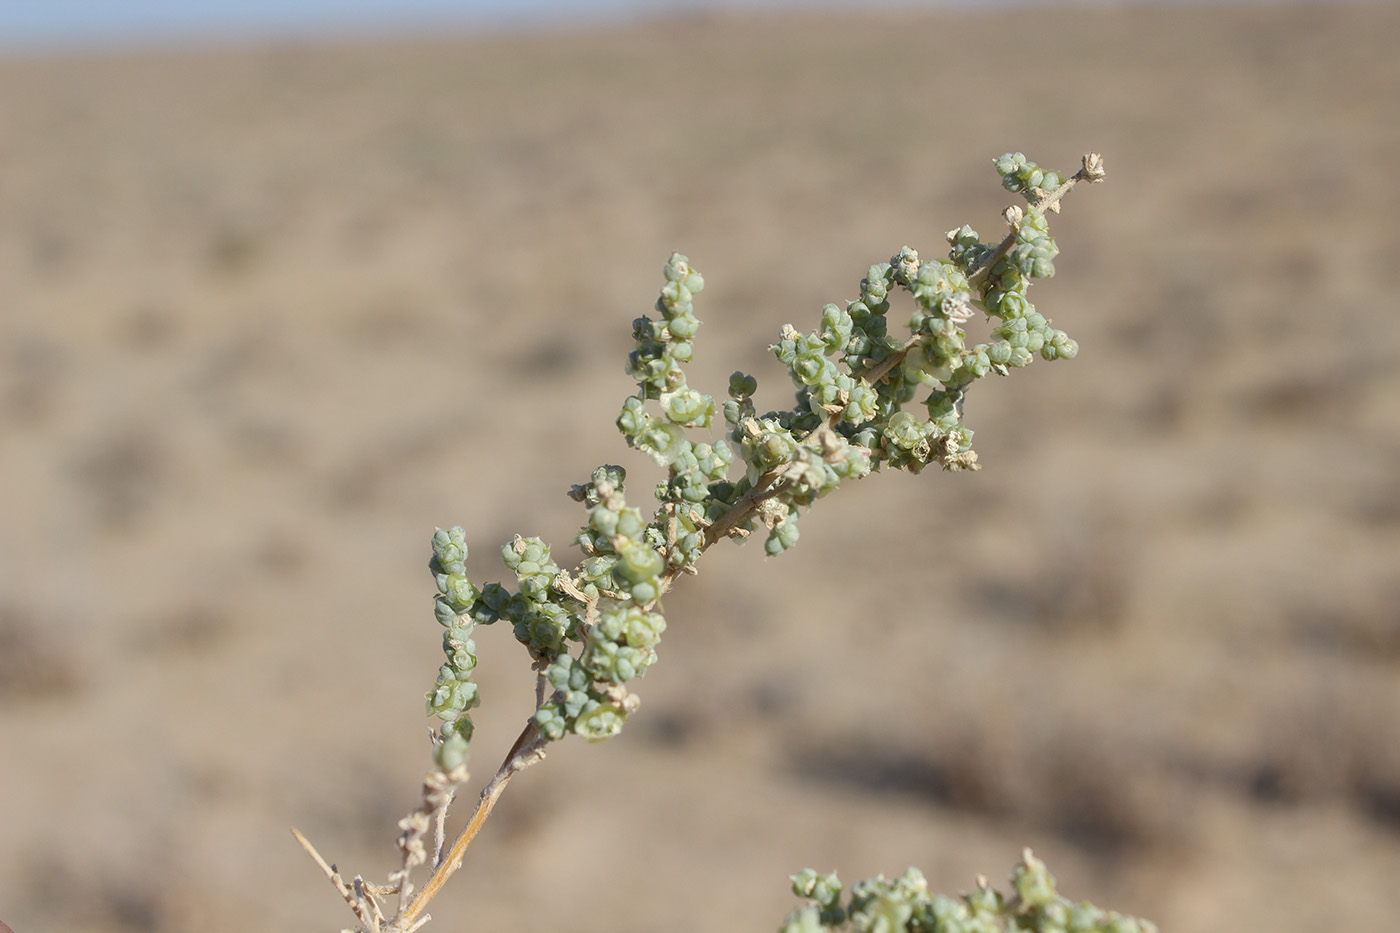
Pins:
x: 68, y: 26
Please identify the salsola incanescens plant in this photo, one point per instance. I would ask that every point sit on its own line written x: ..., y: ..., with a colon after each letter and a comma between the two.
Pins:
x: 866, y: 400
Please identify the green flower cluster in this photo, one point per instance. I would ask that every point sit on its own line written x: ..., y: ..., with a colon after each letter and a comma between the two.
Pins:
x: 589, y: 632
x: 455, y: 692
x: 661, y: 347
x: 877, y: 905
x: 1035, y: 249
x: 1021, y: 175
x: 620, y: 582
x: 854, y: 379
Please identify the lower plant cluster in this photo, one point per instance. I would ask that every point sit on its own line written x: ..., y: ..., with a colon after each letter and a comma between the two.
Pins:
x: 877, y: 905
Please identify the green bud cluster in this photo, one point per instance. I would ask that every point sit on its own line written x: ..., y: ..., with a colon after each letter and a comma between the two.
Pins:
x: 966, y: 249
x: 1035, y: 248
x: 1023, y: 176
x: 621, y: 582
x: 454, y: 693
x: 854, y: 379
x: 865, y: 400
x: 877, y: 905
x: 661, y: 347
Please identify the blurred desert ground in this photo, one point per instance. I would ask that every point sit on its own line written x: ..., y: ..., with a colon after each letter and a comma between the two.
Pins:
x: 272, y: 314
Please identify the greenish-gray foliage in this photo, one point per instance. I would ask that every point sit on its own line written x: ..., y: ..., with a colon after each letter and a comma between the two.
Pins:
x: 865, y: 400
x: 878, y: 905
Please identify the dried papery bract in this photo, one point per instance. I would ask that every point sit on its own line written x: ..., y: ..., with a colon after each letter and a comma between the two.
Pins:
x: 865, y: 401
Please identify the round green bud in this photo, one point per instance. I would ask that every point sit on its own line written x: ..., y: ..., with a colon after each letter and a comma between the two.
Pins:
x: 645, y: 591
x: 1034, y: 225
x: 984, y: 902
x: 573, y: 702
x: 905, y: 431
x: 611, y: 474
x: 661, y: 440
x: 493, y: 602
x: 742, y: 385
x: 1033, y: 882
x: 811, y: 368
x: 551, y: 722
x: 598, y: 721
x: 836, y: 328
x: 459, y: 648
x: 683, y: 326
x: 634, y: 418
x: 630, y: 523
x: 1065, y: 346
x: 1054, y: 915
x: 449, y: 550
x: 643, y: 628
x: 637, y: 562
x: 806, y: 920
x: 452, y: 751
x: 781, y: 538
x: 457, y: 590
x: 774, y: 448
x: 566, y: 673
x: 677, y: 267
x: 786, y: 351
x: 688, y: 407
x: 674, y: 294
x: 999, y: 352
x: 543, y: 631
x: 904, y: 265
x: 1009, y: 162
x: 825, y: 889
x: 715, y: 460
x: 453, y: 695
x: 852, y: 464
x: 875, y: 286
x: 603, y: 520
x: 976, y: 362
x: 444, y: 613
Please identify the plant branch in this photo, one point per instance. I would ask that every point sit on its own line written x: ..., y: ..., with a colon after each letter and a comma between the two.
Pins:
x: 745, y: 507
x: 1091, y: 171
x: 355, y: 897
x: 777, y: 483
x: 528, y: 749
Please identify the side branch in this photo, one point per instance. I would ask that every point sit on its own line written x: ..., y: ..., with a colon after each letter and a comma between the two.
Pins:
x: 360, y: 896
x: 746, y: 506
x: 528, y: 748
x: 1091, y: 171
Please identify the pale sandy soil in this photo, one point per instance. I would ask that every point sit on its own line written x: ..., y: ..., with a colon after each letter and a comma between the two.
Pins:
x: 269, y: 316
